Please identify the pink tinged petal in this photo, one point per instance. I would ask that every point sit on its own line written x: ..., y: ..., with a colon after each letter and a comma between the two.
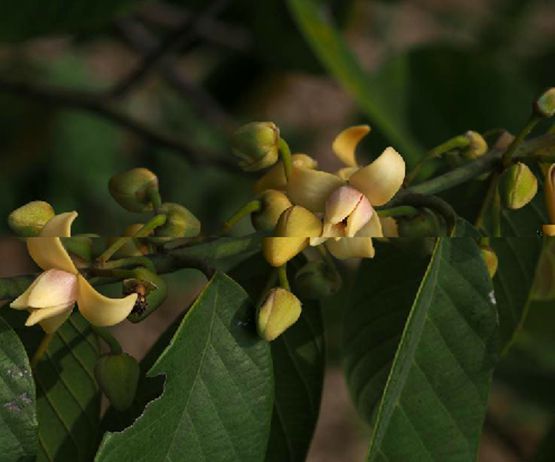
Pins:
x: 311, y: 188
x: 360, y: 216
x: 47, y: 250
x: 345, y: 144
x: 351, y: 247
x: 100, y: 310
x: 380, y: 180
x: 53, y: 288
x: 372, y: 229
x: 42, y: 314
x: 341, y: 203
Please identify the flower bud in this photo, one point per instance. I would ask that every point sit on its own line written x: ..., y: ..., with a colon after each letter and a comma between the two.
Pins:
x: 490, y: 259
x: 545, y: 104
x: 316, y: 280
x: 151, y: 289
x: 275, y: 177
x: 280, y: 310
x: 477, y: 145
x: 29, y: 219
x: 550, y: 193
x: 273, y: 204
x: 180, y: 221
x: 517, y: 186
x: 256, y: 145
x: 118, y: 377
x: 293, y: 230
x: 132, y: 189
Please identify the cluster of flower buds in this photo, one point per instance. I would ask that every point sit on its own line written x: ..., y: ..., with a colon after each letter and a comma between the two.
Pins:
x: 302, y: 206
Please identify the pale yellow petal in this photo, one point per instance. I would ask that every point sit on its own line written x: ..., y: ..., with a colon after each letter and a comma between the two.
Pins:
x: 52, y: 324
x: 22, y: 302
x: 389, y: 227
x: 47, y: 250
x: 345, y: 144
x: 380, y: 180
x: 372, y: 229
x: 53, y: 288
x: 549, y: 230
x: 346, y: 172
x: 100, y: 310
x: 311, y: 188
x: 42, y: 314
x: 351, y: 247
x: 275, y: 177
x: 279, y: 250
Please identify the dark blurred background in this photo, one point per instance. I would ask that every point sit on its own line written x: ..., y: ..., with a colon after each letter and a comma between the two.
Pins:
x: 89, y: 91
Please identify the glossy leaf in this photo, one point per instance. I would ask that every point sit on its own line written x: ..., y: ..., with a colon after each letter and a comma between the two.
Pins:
x: 328, y: 44
x: 68, y: 400
x: 18, y: 419
x: 435, y: 398
x: 218, y: 394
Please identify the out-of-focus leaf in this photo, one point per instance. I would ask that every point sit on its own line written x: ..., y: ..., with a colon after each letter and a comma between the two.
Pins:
x: 68, y: 400
x: 18, y: 438
x: 24, y: 19
x: 330, y: 47
x: 218, y: 394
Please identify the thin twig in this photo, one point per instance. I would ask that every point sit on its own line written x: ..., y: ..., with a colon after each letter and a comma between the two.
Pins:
x: 139, y: 38
x: 95, y: 104
x: 180, y: 36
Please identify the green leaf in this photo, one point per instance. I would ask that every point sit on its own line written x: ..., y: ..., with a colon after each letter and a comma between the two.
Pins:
x: 435, y: 397
x: 68, y: 400
x: 26, y: 18
x: 374, y: 318
x: 218, y: 393
x: 18, y: 438
x: 298, y: 357
x: 328, y: 44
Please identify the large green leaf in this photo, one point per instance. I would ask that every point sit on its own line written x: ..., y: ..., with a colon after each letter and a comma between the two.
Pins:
x: 435, y: 397
x: 18, y: 438
x: 298, y: 357
x: 68, y: 400
x: 330, y: 47
x: 218, y: 394
x: 374, y: 318
x: 27, y: 18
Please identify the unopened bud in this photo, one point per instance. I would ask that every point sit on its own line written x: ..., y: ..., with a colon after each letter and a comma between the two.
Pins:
x: 256, y: 145
x: 280, y: 310
x: 132, y: 189
x: 477, y: 146
x: 29, y: 219
x: 272, y: 204
x: 317, y: 280
x: 550, y: 193
x: 545, y: 104
x: 490, y: 259
x: 293, y: 230
x: 517, y: 186
x: 151, y: 291
x: 118, y: 376
x: 180, y: 221
x: 275, y: 177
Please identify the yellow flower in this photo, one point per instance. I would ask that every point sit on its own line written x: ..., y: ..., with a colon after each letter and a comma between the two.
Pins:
x: 280, y: 310
x: 52, y: 295
x: 348, y: 198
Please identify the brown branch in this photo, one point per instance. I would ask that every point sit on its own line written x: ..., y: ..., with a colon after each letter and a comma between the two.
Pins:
x: 96, y: 104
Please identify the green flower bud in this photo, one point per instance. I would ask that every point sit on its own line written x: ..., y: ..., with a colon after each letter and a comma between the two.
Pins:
x: 118, y: 377
x: 180, y: 222
x: 273, y: 204
x: 317, y: 280
x: 132, y: 189
x: 256, y: 145
x: 280, y: 310
x: 152, y: 290
x: 517, y: 186
x: 477, y: 145
x: 29, y: 219
x: 490, y: 260
x: 545, y: 104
